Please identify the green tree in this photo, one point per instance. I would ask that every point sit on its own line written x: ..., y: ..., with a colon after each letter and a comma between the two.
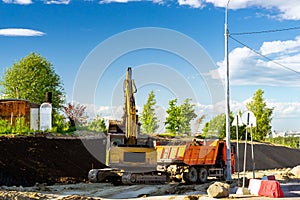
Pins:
x: 179, y: 116
x: 216, y: 127
x: 262, y: 113
x: 30, y: 79
x: 148, y: 117
x: 187, y: 115
x: 98, y: 125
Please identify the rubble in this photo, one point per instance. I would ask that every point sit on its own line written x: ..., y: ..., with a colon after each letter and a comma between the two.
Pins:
x: 218, y: 190
x: 296, y: 171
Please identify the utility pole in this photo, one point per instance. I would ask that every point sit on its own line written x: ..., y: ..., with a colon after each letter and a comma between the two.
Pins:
x: 228, y: 145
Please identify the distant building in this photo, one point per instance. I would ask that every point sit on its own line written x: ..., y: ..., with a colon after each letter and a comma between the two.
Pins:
x: 275, y: 134
x: 11, y: 109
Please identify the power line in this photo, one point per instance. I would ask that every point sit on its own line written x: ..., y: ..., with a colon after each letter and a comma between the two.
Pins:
x: 266, y: 31
x: 283, y: 66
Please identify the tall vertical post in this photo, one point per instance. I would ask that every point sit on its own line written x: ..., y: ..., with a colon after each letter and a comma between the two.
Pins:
x: 228, y: 151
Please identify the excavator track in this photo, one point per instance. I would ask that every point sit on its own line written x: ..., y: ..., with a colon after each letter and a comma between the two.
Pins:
x: 131, y: 178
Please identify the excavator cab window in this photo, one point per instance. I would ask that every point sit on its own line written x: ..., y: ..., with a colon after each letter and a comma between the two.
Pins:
x: 135, y: 157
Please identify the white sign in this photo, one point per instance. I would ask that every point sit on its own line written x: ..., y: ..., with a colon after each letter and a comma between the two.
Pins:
x: 237, y: 121
x: 45, y: 116
x: 249, y: 119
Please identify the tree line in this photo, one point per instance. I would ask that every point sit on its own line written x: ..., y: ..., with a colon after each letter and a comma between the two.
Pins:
x: 33, y: 76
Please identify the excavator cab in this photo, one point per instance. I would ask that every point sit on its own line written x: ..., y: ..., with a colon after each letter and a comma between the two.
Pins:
x: 123, y: 155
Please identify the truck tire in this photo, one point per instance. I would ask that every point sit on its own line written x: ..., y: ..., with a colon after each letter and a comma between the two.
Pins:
x: 203, y: 174
x: 192, y: 175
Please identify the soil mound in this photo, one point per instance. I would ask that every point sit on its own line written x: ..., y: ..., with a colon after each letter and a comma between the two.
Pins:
x: 28, y: 160
x: 268, y: 156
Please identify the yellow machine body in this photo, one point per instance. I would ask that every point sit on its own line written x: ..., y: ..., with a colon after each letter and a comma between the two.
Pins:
x: 135, y: 158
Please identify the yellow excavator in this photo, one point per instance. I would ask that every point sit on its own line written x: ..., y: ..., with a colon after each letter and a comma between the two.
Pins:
x: 131, y: 159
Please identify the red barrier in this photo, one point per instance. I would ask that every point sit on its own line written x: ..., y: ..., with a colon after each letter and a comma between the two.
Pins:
x: 270, y: 188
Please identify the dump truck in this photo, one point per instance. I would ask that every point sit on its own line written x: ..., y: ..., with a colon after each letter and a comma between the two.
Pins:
x: 194, y: 161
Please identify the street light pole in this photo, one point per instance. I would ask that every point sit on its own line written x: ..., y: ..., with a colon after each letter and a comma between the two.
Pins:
x: 228, y: 151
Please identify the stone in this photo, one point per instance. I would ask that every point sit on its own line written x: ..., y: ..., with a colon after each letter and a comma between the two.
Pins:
x: 218, y: 190
x: 296, y: 171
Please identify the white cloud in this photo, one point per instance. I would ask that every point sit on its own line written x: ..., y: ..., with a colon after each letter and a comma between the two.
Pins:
x: 20, y: 32
x: 288, y: 9
x: 127, y: 1
x: 117, y: 1
x: 191, y: 3
x: 289, y: 46
x: 248, y: 68
x: 57, y: 1
x: 22, y: 2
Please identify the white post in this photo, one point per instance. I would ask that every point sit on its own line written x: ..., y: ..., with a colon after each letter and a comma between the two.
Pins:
x: 228, y: 145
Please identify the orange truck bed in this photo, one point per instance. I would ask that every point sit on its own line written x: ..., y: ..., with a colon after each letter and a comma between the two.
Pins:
x: 198, y: 153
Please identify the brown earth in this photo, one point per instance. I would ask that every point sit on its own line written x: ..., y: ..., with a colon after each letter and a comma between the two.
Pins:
x: 268, y: 156
x: 28, y: 160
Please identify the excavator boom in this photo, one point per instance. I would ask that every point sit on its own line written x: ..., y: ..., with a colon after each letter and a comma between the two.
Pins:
x: 130, y: 109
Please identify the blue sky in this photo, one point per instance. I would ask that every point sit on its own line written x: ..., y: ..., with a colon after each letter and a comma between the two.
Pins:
x: 71, y: 33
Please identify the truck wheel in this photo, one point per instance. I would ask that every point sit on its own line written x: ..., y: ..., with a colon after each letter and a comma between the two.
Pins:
x: 203, y: 175
x: 192, y: 175
x: 93, y: 175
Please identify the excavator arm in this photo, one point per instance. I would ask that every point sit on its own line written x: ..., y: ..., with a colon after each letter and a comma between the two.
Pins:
x: 130, y: 109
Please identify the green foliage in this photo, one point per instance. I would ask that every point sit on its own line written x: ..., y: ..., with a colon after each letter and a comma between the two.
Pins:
x: 216, y: 127
x: 30, y: 79
x: 5, y: 127
x: 59, y: 124
x: 180, y: 116
x: 97, y: 124
x: 19, y: 127
x: 173, y: 119
x: 148, y: 117
x: 262, y: 113
x: 292, y: 142
x: 187, y: 115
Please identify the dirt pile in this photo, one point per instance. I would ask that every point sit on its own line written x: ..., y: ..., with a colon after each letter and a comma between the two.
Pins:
x: 268, y: 156
x: 27, y: 160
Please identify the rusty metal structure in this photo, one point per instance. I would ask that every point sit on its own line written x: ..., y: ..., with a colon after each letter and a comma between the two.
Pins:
x: 11, y: 109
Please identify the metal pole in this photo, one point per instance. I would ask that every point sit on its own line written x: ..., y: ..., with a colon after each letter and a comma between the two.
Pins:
x: 252, y: 151
x: 228, y: 151
x: 237, y: 149
x: 245, y: 151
